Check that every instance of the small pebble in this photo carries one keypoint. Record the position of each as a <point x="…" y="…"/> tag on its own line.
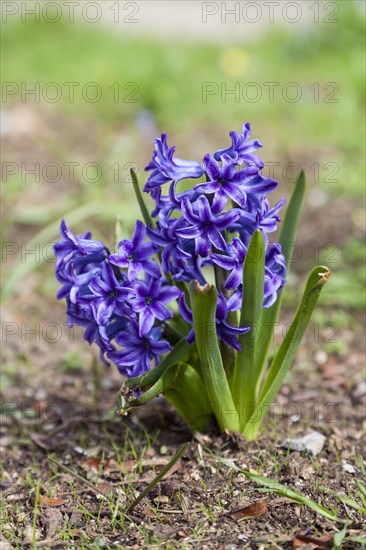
<point x="360" y="390"/>
<point x="320" y="357"/>
<point x="348" y="468"/>
<point x="312" y="442"/>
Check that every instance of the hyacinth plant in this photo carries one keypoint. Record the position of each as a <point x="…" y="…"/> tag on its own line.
<point x="187" y="307"/>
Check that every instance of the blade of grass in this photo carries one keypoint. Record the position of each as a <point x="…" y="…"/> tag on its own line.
<point x="83" y="480"/>
<point x="339" y="537"/>
<point x="157" y="479"/>
<point x="361" y="465"/>
<point x="245" y="375"/>
<point x="287" y="239"/>
<point x="35" y="509"/>
<point x="362" y="491"/>
<point x="284" y="491"/>
<point x="345" y="500"/>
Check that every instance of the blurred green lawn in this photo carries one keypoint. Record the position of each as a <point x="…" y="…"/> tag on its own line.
<point x="170" y="76"/>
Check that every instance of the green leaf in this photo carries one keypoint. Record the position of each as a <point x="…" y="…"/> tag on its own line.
<point x="189" y="397"/>
<point x="144" y="211"/>
<point x="287" y="240"/>
<point x="286" y="353"/>
<point x="203" y="302"/>
<point x="245" y="376"/>
<point x="180" y="353"/>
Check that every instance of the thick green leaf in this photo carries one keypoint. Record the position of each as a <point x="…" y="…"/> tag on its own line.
<point x="182" y="386"/>
<point x="286" y="353"/>
<point x="203" y="302"/>
<point x="180" y="353"/>
<point x="144" y="211"/>
<point x="189" y="397"/>
<point x="287" y="241"/>
<point x="245" y="376"/>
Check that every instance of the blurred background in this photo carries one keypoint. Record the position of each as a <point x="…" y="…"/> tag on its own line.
<point x="86" y="89"/>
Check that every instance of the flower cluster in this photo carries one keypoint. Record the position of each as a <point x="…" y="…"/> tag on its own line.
<point x="117" y="307"/>
<point x="121" y="299"/>
<point x="210" y="225"/>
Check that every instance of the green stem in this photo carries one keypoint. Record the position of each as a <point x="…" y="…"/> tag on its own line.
<point x="144" y="211"/>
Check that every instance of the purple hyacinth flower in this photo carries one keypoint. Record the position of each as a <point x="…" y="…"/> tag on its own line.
<point x="226" y="182"/>
<point x="138" y="351"/>
<point x="205" y="226"/>
<point x="241" y="150"/>
<point x="275" y="260"/>
<point x="173" y="256"/>
<point x="135" y="254"/>
<point x="166" y="168"/>
<point x="164" y="206"/>
<point x="79" y="260"/>
<point x="84" y="245"/>
<point x="186" y="313"/>
<point x="226" y="332"/>
<point x="232" y="261"/>
<point x="82" y="314"/>
<point x="150" y="297"/>
<point x="275" y="272"/>
<point x="257" y="215"/>
<point x="109" y="295"/>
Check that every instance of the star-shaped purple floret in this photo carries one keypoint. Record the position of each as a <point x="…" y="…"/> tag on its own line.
<point x="232" y="261"/>
<point x="166" y="168"/>
<point x="226" y="182"/>
<point x="149" y="302"/>
<point x="138" y="351"/>
<point x="275" y="271"/>
<point x="225" y="331"/>
<point x="135" y="254"/>
<point x="257" y="215"/>
<point x="241" y="150"/>
<point x="109" y="295"/>
<point x="205" y="226"/>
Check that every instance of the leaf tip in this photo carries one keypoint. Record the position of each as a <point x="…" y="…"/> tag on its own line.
<point x="324" y="275"/>
<point x="202" y="289"/>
